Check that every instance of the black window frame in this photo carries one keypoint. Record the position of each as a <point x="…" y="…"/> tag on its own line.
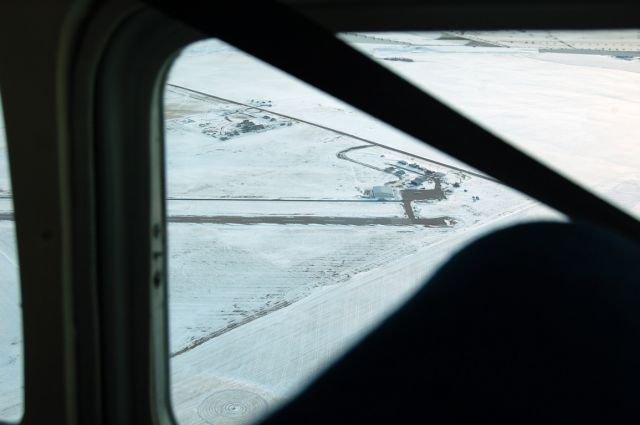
<point x="90" y="229"/>
<point x="131" y="243"/>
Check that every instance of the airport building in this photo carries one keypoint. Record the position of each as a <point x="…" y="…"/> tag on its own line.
<point x="383" y="192"/>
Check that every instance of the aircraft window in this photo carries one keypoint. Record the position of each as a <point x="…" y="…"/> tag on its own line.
<point x="295" y="224"/>
<point x="11" y="356"/>
<point x="568" y="98"/>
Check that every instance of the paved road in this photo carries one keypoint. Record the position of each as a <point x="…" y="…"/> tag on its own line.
<point x="343" y="155"/>
<point x="344" y="221"/>
<point x="366" y="200"/>
<point x="410" y="195"/>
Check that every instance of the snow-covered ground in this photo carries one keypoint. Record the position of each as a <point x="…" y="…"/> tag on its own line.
<point x="10" y="327"/>
<point x="577" y="113"/>
<point x="217" y="68"/>
<point x="228" y="160"/>
<point x="11" y="380"/>
<point x="272" y="358"/>
<point x="614" y="41"/>
<point x="223" y="275"/>
<point x="6" y="204"/>
<point x="256" y="311"/>
<point x="5" y="182"/>
<point x="247" y="166"/>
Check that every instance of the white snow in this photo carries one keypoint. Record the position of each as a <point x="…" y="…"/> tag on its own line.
<point x="572" y="114"/>
<point x="578" y="117"/>
<point x="11" y="379"/>
<point x="220" y="72"/>
<point x="276" y="356"/>
<point x="265" y="165"/>
<point x="405" y="38"/>
<point x="615" y="41"/>
<point x="5" y="180"/>
<point x="225" y="274"/>
<point x="322" y="287"/>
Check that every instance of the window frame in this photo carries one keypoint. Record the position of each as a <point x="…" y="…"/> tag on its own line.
<point x="131" y="243"/>
<point x="131" y="218"/>
<point x="42" y="205"/>
<point x="90" y="357"/>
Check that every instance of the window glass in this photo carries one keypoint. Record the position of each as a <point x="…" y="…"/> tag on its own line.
<point x="295" y="225"/>
<point x="571" y="99"/>
<point x="11" y="358"/>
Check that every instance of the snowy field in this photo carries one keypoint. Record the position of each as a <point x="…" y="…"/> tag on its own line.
<point x="10" y="326"/>
<point x="6" y="204"/>
<point x="257" y="310"/>
<point x="263" y="363"/>
<point x="250" y="169"/>
<point x="575" y="112"/>
<point x="11" y="381"/>
<point x="225" y="274"/>
<point x="228" y="160"/>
